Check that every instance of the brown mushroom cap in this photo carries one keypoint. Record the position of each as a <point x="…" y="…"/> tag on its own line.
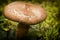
<point x="23" y="12"/>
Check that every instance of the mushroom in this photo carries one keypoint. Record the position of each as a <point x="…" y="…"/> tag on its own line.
<point x="26" y="14"/>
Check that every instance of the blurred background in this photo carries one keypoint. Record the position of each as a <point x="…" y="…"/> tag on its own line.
<point x="49" y="29"/>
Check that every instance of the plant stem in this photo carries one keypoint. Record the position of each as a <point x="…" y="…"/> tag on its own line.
<point x="21" y="30"/>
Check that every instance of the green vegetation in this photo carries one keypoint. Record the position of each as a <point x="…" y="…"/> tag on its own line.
<point x="49" y="29"/>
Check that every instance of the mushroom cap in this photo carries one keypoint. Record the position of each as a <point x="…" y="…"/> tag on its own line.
<point x="25" y="13"/>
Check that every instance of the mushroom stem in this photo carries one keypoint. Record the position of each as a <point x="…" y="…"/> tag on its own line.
<point x="21" y="30"/>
